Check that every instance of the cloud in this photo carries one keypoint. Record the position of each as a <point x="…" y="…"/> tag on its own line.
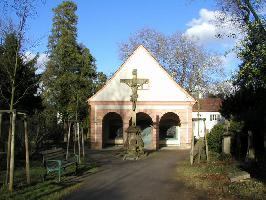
<point x="207" y="27"/>
<point x="41" y="61"/>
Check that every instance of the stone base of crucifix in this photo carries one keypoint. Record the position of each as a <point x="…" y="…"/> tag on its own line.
<point x="134" y="144"/>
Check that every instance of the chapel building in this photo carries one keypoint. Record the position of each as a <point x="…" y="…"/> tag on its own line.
<point x="164" y="109"/>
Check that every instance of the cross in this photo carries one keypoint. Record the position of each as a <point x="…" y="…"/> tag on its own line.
<point x="134" y="84"/>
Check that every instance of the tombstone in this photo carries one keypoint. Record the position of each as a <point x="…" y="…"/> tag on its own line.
<point x="250" y="151"/>
<point x="226" y="140"/>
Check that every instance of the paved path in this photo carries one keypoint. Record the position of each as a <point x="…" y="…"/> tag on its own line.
<point x="152" y="178"/>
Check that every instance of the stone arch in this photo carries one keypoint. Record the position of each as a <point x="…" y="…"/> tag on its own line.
<point x="168" y="129"/>
<point x="144" y="122"/>
<point x="112" y="129"/>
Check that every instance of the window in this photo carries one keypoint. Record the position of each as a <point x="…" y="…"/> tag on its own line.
<point x="214" y="117"/>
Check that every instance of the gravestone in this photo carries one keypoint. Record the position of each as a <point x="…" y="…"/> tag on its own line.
<point x="227" y="140"/>
<point x="238" y="176"/>
<point x="250" y="151"/>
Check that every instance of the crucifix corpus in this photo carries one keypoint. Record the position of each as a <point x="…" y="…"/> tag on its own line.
<point x="134" y="143"/>
<point x="134" y="84"/>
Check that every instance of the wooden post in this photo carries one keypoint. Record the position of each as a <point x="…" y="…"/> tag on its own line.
<point x="68" y="138"/>
<point x="206" y="141"/>
<point x="8" y="148"/>
<point x="12" y="153"/>
<point x="199" y="152"/>
<point x="192" y="149"/>
<point x="78" y="140"/>
<point x="1" y="115"/>
<point x="0" y="136"/>
<point x="82" y="140"/>
<point x="27" y="150"/>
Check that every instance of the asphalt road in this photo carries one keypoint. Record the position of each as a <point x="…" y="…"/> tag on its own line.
<point x="150" y="179"/>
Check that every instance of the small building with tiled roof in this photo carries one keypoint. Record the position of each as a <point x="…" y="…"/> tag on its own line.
<point x="208" y="105"/>
<point x="164" y="109"/>
<point x="206" y="115"/>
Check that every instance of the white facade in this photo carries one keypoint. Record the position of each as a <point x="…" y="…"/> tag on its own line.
<point x="161" y="105"/>
<point x="161" y="86"/>
<point x="211" y="119"/>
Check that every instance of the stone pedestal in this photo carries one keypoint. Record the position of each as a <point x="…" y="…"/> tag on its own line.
<point x="226" y="144"/>
<point x="134" y="144"/>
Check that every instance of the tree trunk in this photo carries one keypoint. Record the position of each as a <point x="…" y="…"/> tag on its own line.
<point x="12" y="153"/>
<point x="27" y="150"/>
<point x="65" y="130"/>
<point x="82" y="140"/>
<point x="74" y="137"/>
<point x="13" y="89"/>
<point x="68" y="138"/>
<point x="192" y="149"/>
<point x="184" y="73"/>
<point x="206" y="141"/>
<point x="8" y="148"/>
<point x="78" y="140"/>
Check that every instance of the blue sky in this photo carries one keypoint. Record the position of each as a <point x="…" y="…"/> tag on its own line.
<point x="103" y="24"/>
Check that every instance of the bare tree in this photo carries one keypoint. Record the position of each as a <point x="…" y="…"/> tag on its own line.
<point x="21" y="11"/>
<point x="244" y="12"/>
<point x="188" y="63"/>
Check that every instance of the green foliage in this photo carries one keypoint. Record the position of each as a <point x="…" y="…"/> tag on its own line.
<point x="44" y="130"/>
<point x="214" y="138"/>
<point x="235" y="127"/>
<point x="248" y="103"/>
<point x="24" y="77"/>
<point x="70" y="77"/>
<point x="225" y="157"/>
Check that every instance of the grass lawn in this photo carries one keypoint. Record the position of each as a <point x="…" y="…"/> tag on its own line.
<point x="50" y="189"/>
<point x="213" y="179"/>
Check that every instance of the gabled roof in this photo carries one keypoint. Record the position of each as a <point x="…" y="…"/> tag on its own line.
<point x="139" y="51"/>
<point x="208" y="105"/>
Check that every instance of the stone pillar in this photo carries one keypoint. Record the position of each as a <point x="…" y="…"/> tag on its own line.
<point x="126" y="116"/>
<point x="155" y="133"/>
<point x="125" y="127"/>
<point x="226" y="144"/>
<point x="97" y="135"/>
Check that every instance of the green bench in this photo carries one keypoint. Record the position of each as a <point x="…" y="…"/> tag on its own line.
<point x="54" y="161"/>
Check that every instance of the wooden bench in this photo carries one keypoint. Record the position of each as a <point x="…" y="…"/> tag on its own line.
<point x="54" y="160"/>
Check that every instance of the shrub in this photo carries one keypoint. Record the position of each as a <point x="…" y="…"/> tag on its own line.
<point x="215" y="138"/>
<point x="225" y="157"/>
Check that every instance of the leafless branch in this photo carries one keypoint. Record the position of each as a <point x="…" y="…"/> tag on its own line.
<point x="24" y="93"/>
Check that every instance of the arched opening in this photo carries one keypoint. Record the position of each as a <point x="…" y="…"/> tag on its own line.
<point x="112" y="129"/>
<point x="168" y="129"/>
<point x="144" y="122"/>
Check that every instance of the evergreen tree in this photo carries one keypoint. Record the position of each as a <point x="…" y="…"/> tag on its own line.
<point x="247" y="104"/>
<point x="70" y="75"/>
<point x="25" y="79"/>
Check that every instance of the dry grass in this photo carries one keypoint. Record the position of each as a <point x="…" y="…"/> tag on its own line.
<point x="213" y="179"/>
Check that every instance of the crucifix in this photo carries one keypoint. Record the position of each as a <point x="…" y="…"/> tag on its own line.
<point x="134" y="143"/>
<point x="134" y="84"/>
